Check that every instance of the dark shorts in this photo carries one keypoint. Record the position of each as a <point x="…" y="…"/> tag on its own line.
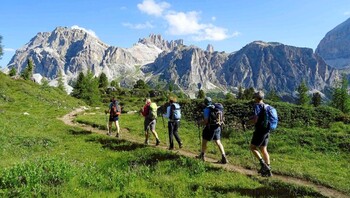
<point x="211" y="133"/>
<point x="149" y="124"/>
<point x="112" y="119"/>
<point x="260" y="138"/>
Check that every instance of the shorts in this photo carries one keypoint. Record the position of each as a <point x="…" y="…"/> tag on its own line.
<point x="113" y="119"/>
<point x="213" y="133"/>
<point x="150" y="125"/>
<point x="260" y="138"/>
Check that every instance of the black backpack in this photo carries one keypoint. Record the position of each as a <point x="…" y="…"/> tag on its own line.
<point x="216" y="116"/>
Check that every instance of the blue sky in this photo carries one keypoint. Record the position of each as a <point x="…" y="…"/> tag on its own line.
<point x="228" y="25"/>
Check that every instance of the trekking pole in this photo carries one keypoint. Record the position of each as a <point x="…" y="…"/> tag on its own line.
<point x="247" y="140"/>
<point x="165" y="132"/>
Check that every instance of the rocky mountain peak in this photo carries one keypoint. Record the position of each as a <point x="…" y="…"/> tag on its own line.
<point x="162" y="44"/>
<point x="334" y="47"/>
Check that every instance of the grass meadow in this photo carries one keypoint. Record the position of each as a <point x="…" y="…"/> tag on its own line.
<point x="43" y="157"/>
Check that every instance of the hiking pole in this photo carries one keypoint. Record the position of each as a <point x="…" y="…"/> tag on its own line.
<point x="247" y="140"/>
<point x="166" y="144"/>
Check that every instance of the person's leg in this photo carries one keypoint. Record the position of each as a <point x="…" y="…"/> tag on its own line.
<point x="265" y="154"/>
<point x="146" y="129"/>
<point x="153" y="129"/>
<point x="220" y="146"/>
<point x="170" y="130"/>
<point x="255" y="151"/>
<point x="110" y="127"/>
<point x="175" y="132"/>
<point x="117" y="126"/>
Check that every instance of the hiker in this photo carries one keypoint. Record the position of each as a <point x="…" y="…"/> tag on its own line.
<point x="114" y="111"/>
<point x="260" y="137"/>
<point x="211" y="131"/>
<point x="149" y="111"/>
<point x="173" y="113"/>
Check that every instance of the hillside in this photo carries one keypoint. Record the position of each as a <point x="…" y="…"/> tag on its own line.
<point x="43" y="157"/>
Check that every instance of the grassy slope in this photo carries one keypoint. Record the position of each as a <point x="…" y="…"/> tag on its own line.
<point x="319" y="155"/>
<point x="40" y="156"/>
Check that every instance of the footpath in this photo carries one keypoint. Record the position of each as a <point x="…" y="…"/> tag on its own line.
<point x="68" y="119"/>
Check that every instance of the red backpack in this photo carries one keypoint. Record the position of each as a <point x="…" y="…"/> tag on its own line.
<point x="115" y="110"/>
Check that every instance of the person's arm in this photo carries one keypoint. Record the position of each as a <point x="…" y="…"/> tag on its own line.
<point x="206" y="114"/>
<point x="167" y="115"/>
<point x="253" y="119"/>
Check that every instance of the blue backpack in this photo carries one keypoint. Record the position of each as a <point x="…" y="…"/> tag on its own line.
<point x="175" y="111"/>
<point x="270" y="119"/>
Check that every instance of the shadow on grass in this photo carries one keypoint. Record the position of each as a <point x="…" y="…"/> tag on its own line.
<point x="269" y="190"/>
<point x="152" y="159"/>
<point x="79" y="132"/>
<point x="117" y="144"/>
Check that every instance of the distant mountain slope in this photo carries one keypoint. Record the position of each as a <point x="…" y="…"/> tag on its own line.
<point x="281" y="67"/>
<point x="334" y="48"/>
<point x="259" y="64"/>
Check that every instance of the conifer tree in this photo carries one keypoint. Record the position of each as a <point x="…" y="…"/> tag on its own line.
<point x="201" y="94"/>
<point x="272" y="95"/>
<point x="60" y="81"/>
<point x="13" y="72"/>
<point x="340" y="96"/>
<point x="303" y="99"/>
<point x="103" y="81"/>
<point x="316" y="99"/>
<point x="248" y="93"/>
<point x="240" y="93"/>
<point x="28" y="71"/>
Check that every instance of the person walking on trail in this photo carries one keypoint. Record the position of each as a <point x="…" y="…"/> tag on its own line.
<point x="260" y="137"/>
<point x="173" y="113"/>
<point x="114" y="111"/>
<point x="211" y="131"/>
<point x="149" y="111"/>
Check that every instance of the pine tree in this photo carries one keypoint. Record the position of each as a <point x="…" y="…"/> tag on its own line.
<point x="201" y="94"/>
<point x="103" y="81"/>
<point x="13" y="72"/>
<point x="272" y="95"/>
<point x="79" y="86"/>
<point x="316" y="99"/>
<point x="60" y="81"/>
<point x="140" y="84"/>
<point x="28" y="71"/>
<point x="303" y="99"/>
<point x="248" y="93"/>
<point x="240" y="93"/>
<point x="340" y="96"/>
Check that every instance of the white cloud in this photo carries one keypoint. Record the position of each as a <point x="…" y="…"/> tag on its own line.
<point x="152" y="8"/>
<point x="9" y="50"/>
<point x="213" y="18"/>
<point x="183" y="23"/>
<point x="139" y="25"/>
<point x="347" y="13"/>
<point x="92" y="33"/>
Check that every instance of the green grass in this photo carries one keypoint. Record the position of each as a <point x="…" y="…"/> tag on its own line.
<point x="42" y="157"/>
<point x="318" y="155"/>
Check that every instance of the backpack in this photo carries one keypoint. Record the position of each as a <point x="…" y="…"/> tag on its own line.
<point x="216" y="116"/>
<point x="115" y="110"/>
<point x="269" y="118"/>
<point x="152" y="111"/>
<point x="175" y="111"/>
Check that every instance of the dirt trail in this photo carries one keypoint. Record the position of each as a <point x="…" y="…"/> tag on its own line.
<point x="68" y="119"/>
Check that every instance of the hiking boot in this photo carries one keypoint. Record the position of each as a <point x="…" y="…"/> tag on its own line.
<point x="265" y="170"/>
<point x="201" y="157"/>
<point x="171" y="148"/>
<point x="266" y="173"/>
<point x="117" y="135"/>
<point x="180" y="145"/>
<point x="157" y="142"/>
<point x="146" y="142"/>
<point x="109" y="134"/>
<point x="223" y="160"/>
